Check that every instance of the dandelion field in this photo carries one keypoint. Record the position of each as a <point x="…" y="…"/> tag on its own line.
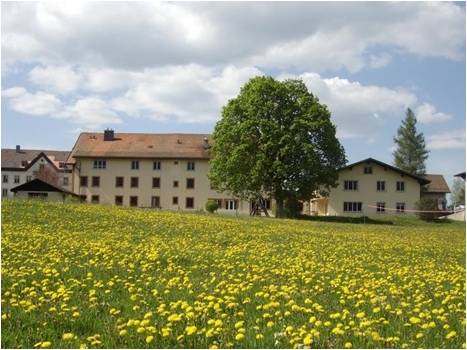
<point x="101" y="277"/>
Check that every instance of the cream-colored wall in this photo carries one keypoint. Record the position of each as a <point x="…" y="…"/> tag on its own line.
<point x="30" y="172"/>
<point x="169" y="172"/>
<point x="51" y="196"/>
<point x="367" y="193"/>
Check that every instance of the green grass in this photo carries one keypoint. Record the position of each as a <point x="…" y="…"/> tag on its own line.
<point x="94" y="271"/>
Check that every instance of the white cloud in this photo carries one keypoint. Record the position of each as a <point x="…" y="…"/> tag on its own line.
<point x="358" y="110"/>
<point x="91" y="112"/>
<point x="310" y="36"/>
<point x="59" y="79"/>
<point x="39" y="103"/>
<point x="453" y="139"/>
<point x="426" y="113"/>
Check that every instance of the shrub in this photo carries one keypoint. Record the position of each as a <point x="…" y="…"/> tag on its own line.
<point x="427" y="204"/>
<point x="211" y="206"/>
<point x="293" y="207"/>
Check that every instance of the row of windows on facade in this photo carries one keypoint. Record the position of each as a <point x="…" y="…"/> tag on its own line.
<point x="380" y="207"/>
<point x="134" y="165"/>
<point x="134" y="182"/>
<point x="17" y="179"/>
<point x="228" y="204"/>
<point x="352" y="185"/>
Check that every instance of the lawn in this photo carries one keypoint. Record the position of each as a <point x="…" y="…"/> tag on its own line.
<point x="101" y="277"/>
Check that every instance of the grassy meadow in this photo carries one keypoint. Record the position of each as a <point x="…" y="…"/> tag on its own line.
<point x="90" y="276"/>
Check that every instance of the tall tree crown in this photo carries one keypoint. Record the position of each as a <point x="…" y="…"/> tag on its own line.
<point x="275" y="138"/>
<point x="411" y="153"/>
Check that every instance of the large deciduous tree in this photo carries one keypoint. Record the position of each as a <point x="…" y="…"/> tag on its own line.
<point x="275" y="139"/>
<point x="411" y="152"/>
<point x="458" y="192"/>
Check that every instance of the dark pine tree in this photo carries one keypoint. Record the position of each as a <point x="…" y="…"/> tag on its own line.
<point x="411" y="151"/>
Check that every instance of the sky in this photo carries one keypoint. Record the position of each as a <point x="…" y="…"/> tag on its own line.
<point x="69" y="67"/>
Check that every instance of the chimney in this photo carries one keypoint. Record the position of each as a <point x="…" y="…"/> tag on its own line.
<point x="206" y="143"/>
<point x="18" y="149"/>
<point x="108" y="134"/>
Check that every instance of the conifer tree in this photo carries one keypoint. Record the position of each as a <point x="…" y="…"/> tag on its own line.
<point x="411" y="151"/>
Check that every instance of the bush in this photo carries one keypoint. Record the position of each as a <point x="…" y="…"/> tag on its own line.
<point x="429" y="205"/>
<point x="211" y="206"/>
<point x="292" y="207"/>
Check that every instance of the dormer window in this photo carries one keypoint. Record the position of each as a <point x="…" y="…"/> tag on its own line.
<point x="61" y="164"/>
<point x="24" y="163"/>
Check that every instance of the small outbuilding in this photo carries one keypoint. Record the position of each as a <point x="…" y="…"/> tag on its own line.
<point x="41" y="189"/>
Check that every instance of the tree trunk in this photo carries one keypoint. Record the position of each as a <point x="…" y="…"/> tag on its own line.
<point x="280" y="208"/>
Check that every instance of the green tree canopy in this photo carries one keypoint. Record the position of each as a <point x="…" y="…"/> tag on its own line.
<point x="275" y="139"/>
<point x="458" y="192"/>
<point x="411" y="152"/>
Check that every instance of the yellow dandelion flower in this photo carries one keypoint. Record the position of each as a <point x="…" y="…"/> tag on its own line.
<point x="191" y="330"/>
<point x="149" y="339"/>
<point x="348" y="345"/>
<point x="67" y="336"/>
<point x="123" y="332"/>
<point x="239" y="336"/>
<point x="307" y="340"/>
<point x="451" y="334"/>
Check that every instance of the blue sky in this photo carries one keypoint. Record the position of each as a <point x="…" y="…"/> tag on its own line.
<point x="169" y="67"/>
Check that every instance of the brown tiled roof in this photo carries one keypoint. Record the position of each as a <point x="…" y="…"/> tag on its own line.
<point x="136" y="145"/>
<point x="437" y="184"/>
<point x="17" y="160"/>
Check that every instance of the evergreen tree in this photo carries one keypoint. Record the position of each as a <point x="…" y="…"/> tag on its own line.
<point x="411" y="151"/>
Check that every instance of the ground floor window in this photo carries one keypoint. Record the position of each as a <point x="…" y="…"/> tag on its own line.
<point x="175" y="200"/>
<point x="4" y="192"/>
<point x="380" y="207"/>
<point x="190" y="203"/>
<point x="352" y="206"/>
<point x="155" y="202"/>
<point x="400" y="207"/>
<point x="40" y="195"/>
<point x="82" y="198"/>
<point x="95" y="199"/>
<point x="118" y="200"/>
<point x="230" y="204"/>
<point x="133" y="201"/>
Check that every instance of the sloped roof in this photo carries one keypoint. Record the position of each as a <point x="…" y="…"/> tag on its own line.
<point x="11" y="158"/>
<point x="421" y="180"/>
<point x="40" y="185"/>
<point x="139" y="145"/>
<point x="437" y="184"/>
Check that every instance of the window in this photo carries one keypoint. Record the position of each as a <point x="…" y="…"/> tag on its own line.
<point x="190" y="203"/>
<point x="156" y="165"/>
<point x="380" y="207"/>
<point x="190" y="166"/>
<point x="368" y="170"/>
<point x="61" y="164"/>
<point x="156" y="182"/>
<point x="96" y="181"/>
<point x="134" y="182"/>
<point x="65" y="181"/>
<point x="400" y="186"/>
<point x="352" y="206"/>
<point x="38" y="195"/>
<point x="175" y="183"/>
<point x="175" y="200"/>
<point x="135" y="164"/>
<point x="42" y="166"/>
<point x="4" y="192"/>
<point x="176" y="162"/>
<point x="5" y="179"/>
<point x="350" y="185"/>
<point x="230" y="204"/>
<point x="16" y="179"/>
<point x="381" y="186"/>
<point x="190" y="183"/>
<point x="82" y="198"/>
<point x="28" y="178"/>
<point x="118" y="200"/>
<point x="24" y="163"/>
<point x="400" y="207"/>
<point x="94" y="199"/>
<point x="155" y="202"/>
<point x="133" y="201"/>
<point x="119" y="181"/>
<point x="100" y="164"/>
<point x="83" y="181"/>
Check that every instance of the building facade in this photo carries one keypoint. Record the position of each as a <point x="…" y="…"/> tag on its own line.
<point x="168" y="171"/>
<point x="20" y="166"/>
<point x="370" y="187"/>
<point x="437" y="190"/>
